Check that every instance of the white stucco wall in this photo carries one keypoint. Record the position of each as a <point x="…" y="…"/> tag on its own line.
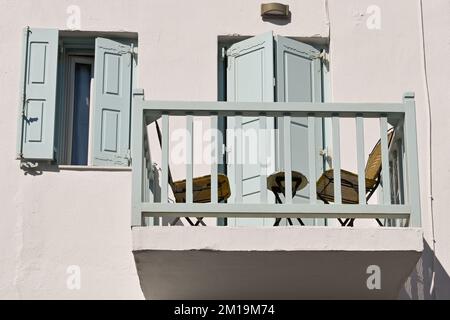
<point x="57" y="219"/>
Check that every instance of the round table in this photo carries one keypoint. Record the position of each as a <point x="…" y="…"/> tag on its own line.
<point x="276" y="184"/>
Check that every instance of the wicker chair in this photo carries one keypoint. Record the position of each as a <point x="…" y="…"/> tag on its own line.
<point x="201" y="186"/>
<point x="349" y="181"/>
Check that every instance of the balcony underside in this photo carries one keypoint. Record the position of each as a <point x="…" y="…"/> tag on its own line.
<point x="273" y="263"/>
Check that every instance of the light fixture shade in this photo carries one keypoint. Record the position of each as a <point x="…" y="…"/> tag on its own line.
<point x="274" y="10"/>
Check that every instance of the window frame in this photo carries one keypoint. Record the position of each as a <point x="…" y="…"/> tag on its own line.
<point x="226" y="41"/>
<point x="47" y="146"/>
<point x="81" y="44"/>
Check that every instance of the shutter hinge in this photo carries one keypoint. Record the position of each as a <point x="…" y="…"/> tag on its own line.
<point x="24" y="103"/>
<point x="223" y="53"/>
<point x="128" y="156"/>
<point x="133" y="49"/>
<point x="274" y="81"/>
<point x="324" y="56"/>
<point x="327" y="156"/>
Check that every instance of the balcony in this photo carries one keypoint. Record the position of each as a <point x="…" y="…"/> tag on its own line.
<point x="225" y="257"/>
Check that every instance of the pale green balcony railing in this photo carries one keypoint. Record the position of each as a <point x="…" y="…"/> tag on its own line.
<point x="399" y="191"/>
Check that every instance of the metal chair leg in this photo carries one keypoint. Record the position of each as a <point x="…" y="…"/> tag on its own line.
<point x="277" y="200"/>
<point x="381" y="224"/>
<point x="200" y="222"/>
<point x="190" y="221"/>
<point x="175" y="221"/>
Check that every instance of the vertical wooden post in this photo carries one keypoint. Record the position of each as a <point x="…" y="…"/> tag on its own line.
<point x="412" y="161"/>
<point x="137" y="156"/>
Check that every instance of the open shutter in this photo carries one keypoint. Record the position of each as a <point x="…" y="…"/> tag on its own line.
<point x="39" y="74"/>
<point x="299" y="79"/>
<point x="250" y="79"/>
<point x="112" y="102"/>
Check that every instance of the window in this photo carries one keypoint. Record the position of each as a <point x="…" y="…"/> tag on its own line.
<point x="76" y="97"/>
<point x="268" y="68"/>
<point x="78" y="110"/>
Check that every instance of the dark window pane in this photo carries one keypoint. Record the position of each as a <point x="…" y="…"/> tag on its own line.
<point x="80" y="136"/>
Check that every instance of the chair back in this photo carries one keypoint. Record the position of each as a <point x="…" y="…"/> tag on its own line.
<point x="201" y="185"/>
<point x="373" y="165"/>
<point x="158" y="132"/>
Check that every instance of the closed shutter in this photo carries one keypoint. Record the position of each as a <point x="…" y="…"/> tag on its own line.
<point x="39" y="74"/>
<point x="299" y="79"/>
<point x="250" y="79"/>
<point x="112" y="102"/>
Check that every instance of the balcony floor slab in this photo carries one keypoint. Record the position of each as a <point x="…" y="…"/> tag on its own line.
<point x="273" y="263"/>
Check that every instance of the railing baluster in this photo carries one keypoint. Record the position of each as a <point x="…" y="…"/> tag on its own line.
<point x="360" y="159"/>
<point x="215" y="161"/>
<point x="287" y="160"/>
<point x="147" y="185"/>
<point x="147" y="193"/>
<point x="312" y="159"/>
<point x="262" y="158"/>
<point x="238" y="159"/>
<point x="165" y="159"/>
<point x="151" y="181"/>
<point x="144" y="169"/>
<point x="144" y="181"/>
<point x="336" y="160"/>
<point x="404" y="165"/>
<point x="385" y="161"/>
<point x="189" y="158"/>
<point x="148" y="164"/>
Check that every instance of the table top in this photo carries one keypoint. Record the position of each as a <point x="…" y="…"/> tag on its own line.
<point x="275" y="182"/>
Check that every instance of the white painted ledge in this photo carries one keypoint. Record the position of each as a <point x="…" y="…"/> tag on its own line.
<point x="273" y="262"/>
<point x="92" y="168"/>
<point x="277" y="238"/>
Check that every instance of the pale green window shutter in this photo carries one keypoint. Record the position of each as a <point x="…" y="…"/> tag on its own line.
<point x="39" y="75"/>
<point x="250" y="79"/>
<point x="299" y="79"/>
<point x="112" y="102"/>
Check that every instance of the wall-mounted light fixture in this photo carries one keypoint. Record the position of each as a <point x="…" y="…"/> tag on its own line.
<point x="274" y="11"/>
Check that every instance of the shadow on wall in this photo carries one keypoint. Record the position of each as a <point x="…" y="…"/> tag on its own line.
<point x="278" y="21"/>
<point x="419" y="285"/>
<point x="37" y="169"/>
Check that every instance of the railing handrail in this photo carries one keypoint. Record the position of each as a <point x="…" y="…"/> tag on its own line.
<point x="296" y="109"/>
